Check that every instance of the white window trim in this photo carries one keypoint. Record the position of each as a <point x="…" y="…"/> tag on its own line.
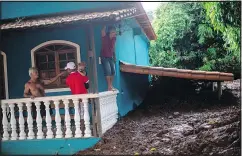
<point x="5" y="73"/>
<point x="78" y="53"/>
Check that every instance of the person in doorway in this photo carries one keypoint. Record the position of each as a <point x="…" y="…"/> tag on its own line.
<point x="35" y="88"/>
<point x="108" y="57"/>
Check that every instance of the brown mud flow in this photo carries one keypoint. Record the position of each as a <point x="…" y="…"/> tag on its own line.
<point x="179" y="125"/>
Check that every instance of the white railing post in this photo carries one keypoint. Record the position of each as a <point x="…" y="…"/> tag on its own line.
<point x="14" y="135"/>
<point x="40" y="134"/>
<point x="57" y="120"/>
<point x="22" y="134"/>
<point x="78" y="132"/>
<point x="30" y="121"/>
<point x="86" y="118"/>
<point x="5" y="122"/>
<point x="49" y="133"/>
<point x="68" y="133"/>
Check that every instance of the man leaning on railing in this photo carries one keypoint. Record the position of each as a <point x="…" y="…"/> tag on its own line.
<point x="35" y="88"/>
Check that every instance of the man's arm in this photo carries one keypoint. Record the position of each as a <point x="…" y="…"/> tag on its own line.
<point x="104" y="31"/>
<point x="47" y="82"/>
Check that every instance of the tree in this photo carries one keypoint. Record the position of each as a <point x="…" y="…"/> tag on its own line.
<point x="187" y="38"/>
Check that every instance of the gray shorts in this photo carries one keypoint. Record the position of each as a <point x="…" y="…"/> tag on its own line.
<point x="108" y="66"/>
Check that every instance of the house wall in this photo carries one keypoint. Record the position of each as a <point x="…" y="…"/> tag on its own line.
<point x="17" y="46"/>
<point x="132" y="87"/>
<point x="129" y="48"/>
<point x="19" y="9"/>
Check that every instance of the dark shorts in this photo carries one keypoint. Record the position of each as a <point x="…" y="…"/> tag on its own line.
<point x="108" y="66"/>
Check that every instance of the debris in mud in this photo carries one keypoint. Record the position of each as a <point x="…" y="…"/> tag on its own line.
<point x="212" y="129"/>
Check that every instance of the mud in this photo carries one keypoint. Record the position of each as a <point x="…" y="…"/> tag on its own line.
<point x="192" y="126"/>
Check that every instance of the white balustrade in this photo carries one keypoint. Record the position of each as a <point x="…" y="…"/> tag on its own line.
<point x="78" y="132"/>
<point x="22" y="134"/>
<point x="67" y="120"/>
<point x="40" y="134"/>
<point x="30" y="121"/>
<point x="58" y="120"/>
<point x="49" y="133"/>
<point x="5" y="122"/>
<point x="108" y="111"/>
<point x="14" y="135"/>
<point x="86" y="118"/>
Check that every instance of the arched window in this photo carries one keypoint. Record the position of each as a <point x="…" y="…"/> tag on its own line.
<point x="51" y="59"/>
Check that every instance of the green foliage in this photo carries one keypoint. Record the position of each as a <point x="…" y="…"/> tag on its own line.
<point x="225" y="17"/>
<point x="191" y="36"/>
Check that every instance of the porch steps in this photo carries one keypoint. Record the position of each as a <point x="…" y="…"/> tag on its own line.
<point x="47" y="146"/>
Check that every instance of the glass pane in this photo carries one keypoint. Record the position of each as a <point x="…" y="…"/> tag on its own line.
<point x="43" y="66"/>
<point x="70" y="56"/>
<point x="44" y="75"/>
<point x="41" y="58"/>
<point x="51" y="47"/>
<point x="51" y="57"/>
<point x="52" y="74"/>
<point x="57" y="47"/>
<point x="51" y="65"/>
<point x="62" y="57"/>
<point x="72" y="61"/>
<point x="63" y="81"/>
<point x="63" y="64"/>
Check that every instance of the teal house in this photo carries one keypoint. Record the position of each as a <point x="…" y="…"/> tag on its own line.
<point x="47" y="35"/>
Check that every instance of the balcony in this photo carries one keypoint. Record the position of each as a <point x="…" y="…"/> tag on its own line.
<point x="69" y="116"/>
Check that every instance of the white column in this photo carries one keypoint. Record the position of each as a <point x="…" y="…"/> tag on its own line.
<point x="86" y="118"/>
<point x="40" y="134"/>
<point x="57" y="120"/>
<point x="78" y="132"/>
<point x="30" y="121"/>
<point x="48" y="120"/>
<point x="5" y="122"/>
<point x="22" y="134"/>
<point x="68" y="133"/>
<point x="14" y="135"/>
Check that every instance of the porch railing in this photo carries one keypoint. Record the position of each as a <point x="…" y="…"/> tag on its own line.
<point x="70" y="117"/>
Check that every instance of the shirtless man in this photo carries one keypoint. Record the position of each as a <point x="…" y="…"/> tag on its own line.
<point x="35" y="87"/>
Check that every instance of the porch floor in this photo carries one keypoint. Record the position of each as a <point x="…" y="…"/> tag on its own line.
<point x="47" y="146"/>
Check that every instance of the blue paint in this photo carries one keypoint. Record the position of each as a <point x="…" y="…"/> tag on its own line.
<point x="47" y="146"/>
<point x="141" y="50"/>
<point x="58" y="93"/>
<point x="129" y="48"/>
<point x="17" y="46"/>
<point x="19" y="9"/>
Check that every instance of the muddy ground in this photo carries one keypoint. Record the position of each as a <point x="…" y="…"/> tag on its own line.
<point x="178" y="123"/>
